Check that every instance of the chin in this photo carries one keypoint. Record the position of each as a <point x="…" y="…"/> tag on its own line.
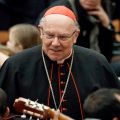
<point x="54" y="58"/>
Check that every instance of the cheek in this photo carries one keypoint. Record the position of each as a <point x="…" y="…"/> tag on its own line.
<point x="68" y="45"/>
<point x="45" y="44"/>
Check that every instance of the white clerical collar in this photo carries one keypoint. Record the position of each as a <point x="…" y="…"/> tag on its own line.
<point x="62" y="61"/>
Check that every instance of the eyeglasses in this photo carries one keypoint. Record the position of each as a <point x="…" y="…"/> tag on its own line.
<point x="51" y="36"/>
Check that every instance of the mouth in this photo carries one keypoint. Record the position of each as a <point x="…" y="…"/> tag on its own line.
<point x="55" y="50"/>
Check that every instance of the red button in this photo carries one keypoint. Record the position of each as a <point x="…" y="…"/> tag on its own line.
<point x="62" y="83"/>
<point x="64" y="109"/>
<point x="62" y="73"/>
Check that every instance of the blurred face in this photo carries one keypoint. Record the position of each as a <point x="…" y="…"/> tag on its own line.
<point x="90" y="4"/>
<point x="12" y="45"/>
<point x="58" y="35"/>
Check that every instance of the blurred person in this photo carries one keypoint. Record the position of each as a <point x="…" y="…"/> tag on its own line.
<point x="57" y="73"/>
<point x="115" y="61"/>
<point x="103" y="104"/>
<point x="95" y="24"/>
<point x="21" y="36"/>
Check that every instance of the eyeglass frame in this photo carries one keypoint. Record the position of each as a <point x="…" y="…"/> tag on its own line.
<point x="59" y="37"/>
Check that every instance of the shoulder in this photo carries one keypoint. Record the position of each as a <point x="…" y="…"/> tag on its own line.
<point x="92" y="60"/>
<point x="86" y="51"/>
<point x="88" y="54"/>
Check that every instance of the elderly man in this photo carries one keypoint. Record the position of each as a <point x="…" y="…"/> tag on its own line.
<point x="58" y="73"/>
<point x="94" y="21"/>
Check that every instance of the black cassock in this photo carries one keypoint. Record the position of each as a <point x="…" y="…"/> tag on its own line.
<point x="24" y="75"/>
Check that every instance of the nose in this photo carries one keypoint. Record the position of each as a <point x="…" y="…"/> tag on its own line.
<point x="56" y="41"/>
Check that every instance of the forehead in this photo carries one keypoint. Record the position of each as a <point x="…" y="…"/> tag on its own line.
<point x="57" y="20"/>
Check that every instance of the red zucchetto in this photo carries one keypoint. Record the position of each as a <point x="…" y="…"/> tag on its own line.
<point x="61" y="10"/>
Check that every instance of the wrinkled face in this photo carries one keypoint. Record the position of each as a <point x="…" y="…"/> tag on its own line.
<point x="58" y="35"/>
<point x="90" y="4"/>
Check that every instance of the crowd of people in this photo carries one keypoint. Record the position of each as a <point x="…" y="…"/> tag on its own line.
<point x="62" y="58"/>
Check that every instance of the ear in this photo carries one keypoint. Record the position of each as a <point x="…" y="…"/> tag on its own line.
<point x="76" y="36"/>
<point x="40" y="30"/>
<point x="41" y="35"/>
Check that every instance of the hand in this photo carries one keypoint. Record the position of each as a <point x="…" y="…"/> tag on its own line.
<point x="102" y="16"/>
<point x="56" y="115"/>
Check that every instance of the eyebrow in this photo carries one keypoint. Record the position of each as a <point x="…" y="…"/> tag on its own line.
<point x="62" y="34"/>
